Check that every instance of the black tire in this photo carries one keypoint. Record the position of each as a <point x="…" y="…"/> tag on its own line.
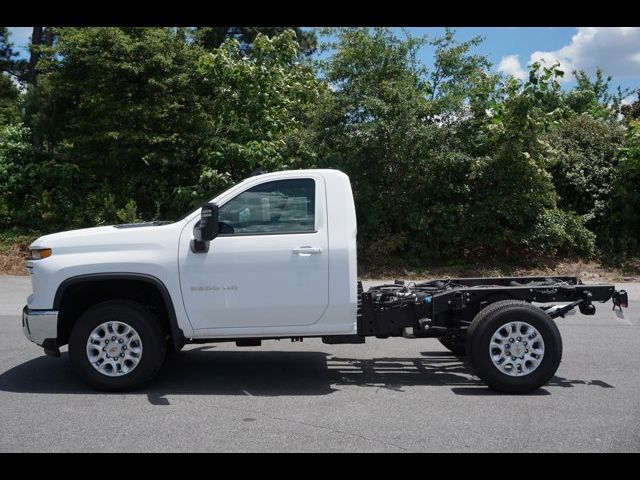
<point x="133" y="314"/>
<point x="455" y="343"/>
<point x="488" y="321"/>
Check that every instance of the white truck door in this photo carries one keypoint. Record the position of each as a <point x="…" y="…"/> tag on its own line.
<point x="269" y="265"/>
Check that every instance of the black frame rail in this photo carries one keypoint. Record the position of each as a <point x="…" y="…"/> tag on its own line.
<point x="453" y="308"/>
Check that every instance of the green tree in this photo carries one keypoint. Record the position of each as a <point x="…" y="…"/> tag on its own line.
<point x="154" y="122"/>
<point x="451" y="160"/>
<point x="584" y="162"/>
<point x="456" y="75"/>
<point x="594" y="96"/>
<point x="254" y="108"/>
<point x="621" y="220"/>
<point x="36" y="191"/>
<point x="9" y="63"/>
<point x="213" y="37"/>
<point x="514" y="200"/>
<point x="121" y="103"/>
<point x="632" y="110"/>
<point x="372" y="125"/>
<point x="10" y="71"/>
<point x="391" y="124"/>
<point x="9" y="101"/>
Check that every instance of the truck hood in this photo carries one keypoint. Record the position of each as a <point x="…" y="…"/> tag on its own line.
<point x="122" y="237"/>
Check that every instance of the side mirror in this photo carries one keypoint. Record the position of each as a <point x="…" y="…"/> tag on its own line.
<point x="207" y="229"/>
<point x="209" y="222"/>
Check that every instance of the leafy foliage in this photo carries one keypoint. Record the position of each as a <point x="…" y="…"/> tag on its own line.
<point x="619" y="230"/>
<point x="584" y="164"/>
<point x="36" y="189"/>
<point x="450" y="161"/>
<point x="253" y="109"/>
<point x="212" y="38"/>
<point x="632" y="111"/>
<point x="121" y="104"/>
<point x="9" y="63"/>
<point x="10" y="67"/>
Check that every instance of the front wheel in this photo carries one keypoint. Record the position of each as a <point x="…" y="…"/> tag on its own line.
<point x="116" y="346"/>
<point x="515" y="347"/>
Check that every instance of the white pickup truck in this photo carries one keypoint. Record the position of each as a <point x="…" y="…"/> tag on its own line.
<point x="275" y="257"/>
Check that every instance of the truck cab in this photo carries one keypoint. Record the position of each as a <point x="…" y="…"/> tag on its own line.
<point x="283" y="264"/>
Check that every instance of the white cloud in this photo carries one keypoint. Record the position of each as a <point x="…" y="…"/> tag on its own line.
<point x="614" y="49"/>
<point x="510" y="65"/>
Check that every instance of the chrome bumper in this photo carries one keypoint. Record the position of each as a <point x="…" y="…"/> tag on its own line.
<point x="40" y="325"/>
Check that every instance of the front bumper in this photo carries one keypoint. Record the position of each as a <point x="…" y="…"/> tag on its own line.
<point x="40" y="326"/>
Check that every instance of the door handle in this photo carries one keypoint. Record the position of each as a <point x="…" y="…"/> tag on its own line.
<point x="306" y="251"/>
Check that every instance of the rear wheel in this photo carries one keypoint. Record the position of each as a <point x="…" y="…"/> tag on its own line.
<point x="514" y="346"/>
<point x="116" y="346"/>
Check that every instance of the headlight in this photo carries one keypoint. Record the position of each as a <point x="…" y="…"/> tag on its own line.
<point x="39" y="253"/>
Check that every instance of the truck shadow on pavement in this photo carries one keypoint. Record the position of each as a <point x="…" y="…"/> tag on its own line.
<point x="207" y="371"/>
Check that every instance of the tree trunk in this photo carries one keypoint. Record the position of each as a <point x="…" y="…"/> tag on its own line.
<point x="48" y="37"/>
<point x="36" y="40"/>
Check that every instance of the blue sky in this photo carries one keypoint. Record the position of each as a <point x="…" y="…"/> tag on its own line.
<point x="511" y="49"/>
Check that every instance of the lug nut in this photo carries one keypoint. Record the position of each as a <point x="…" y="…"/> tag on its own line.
<point x="519" y="338"/>
<point x="526" y="351"/>
<point x="525" y="344"/>
<point x="120" y="341"/>
<point x="104" y="349"/>
<point x="124" y="348"/>
<point x="106" y="341"/>
<point x="122" y="354"/>
<point x="513" y="358"/>
<point x="113" y="338"/>
<point x="511" y="340"/>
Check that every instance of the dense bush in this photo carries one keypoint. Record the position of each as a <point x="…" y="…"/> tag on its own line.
<point x="620" y="230"/>
<point x="36" y="190"/>
<point x="584" y="165"/>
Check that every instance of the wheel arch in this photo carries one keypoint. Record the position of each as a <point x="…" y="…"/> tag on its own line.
<point x="149" y="281"/>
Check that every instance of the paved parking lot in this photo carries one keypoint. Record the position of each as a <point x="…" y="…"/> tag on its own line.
<point x="386" y="395"/>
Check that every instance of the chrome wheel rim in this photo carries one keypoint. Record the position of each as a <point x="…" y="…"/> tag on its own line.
<point x="516" y="349"/>
<point x="114" y="349"/>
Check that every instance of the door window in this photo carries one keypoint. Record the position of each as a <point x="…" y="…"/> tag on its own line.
<point x="281" y="206"/>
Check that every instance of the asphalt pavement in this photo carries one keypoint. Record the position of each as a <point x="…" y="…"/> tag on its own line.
<point x="386" y="395"/>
